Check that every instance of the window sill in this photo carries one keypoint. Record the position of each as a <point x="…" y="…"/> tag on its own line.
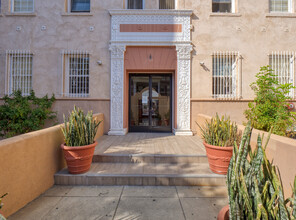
<point x="77" y="14"/>
<point x="218" y="14"/>
<point x="281" y="15"/>
<point x="22" y="14"/>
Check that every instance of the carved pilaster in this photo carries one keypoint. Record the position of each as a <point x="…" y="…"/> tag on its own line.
<point x="183" y="88"/>
<point x="117" y="80"/>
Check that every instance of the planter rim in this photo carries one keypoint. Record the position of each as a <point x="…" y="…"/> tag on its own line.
<point x="63" y="146"/>
<point x="217" y="147"/>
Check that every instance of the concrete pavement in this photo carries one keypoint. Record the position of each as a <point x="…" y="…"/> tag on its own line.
<point x="125" y="203"/>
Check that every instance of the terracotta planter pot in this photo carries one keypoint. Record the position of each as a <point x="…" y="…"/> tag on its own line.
<point x="224" y="213"/>
<point x="79" y="159"/>
<point x="218" y="157"/>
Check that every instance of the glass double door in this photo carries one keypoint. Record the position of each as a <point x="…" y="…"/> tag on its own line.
<point x="150" y="103"/>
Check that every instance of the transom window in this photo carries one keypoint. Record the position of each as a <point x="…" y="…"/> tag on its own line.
<point x="223" y="6"/>
<point x="20" y="71"/>
<point x="280" y="5"/>
<point x="80" y="5"/>
<point x="167" y="4"/>
<point x="225" y="71"/>
<point x="23" y="6"/>
<point x="75" y="73"/>
<point x="283" y="65"/>
<point x="135" y="4"/>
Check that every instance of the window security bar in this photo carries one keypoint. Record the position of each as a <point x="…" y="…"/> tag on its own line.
<point x="19" y="68"/>
<point x="225" y="78"/>
<point x="283" y="65"/>
<point x="75" y="77"/>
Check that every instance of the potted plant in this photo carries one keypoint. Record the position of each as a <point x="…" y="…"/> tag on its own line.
<point x="219" y="136"/>
<point x="1" y="205"/>
<point x="255" y="189"/>
<point x="79" y="133"/>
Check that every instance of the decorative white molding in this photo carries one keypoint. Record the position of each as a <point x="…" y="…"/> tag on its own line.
<point x="182" y="42"/>
<point x="150" y="12"/>
<point x="150" y="17"/>
<point x="183" y="88"/>
<point x="117" y="74"/>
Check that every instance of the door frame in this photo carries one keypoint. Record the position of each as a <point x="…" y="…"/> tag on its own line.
<point x="150" y="128"/>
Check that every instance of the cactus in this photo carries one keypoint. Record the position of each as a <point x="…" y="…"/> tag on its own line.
<point x="80" y="129"/>
<point x="220" y="132"/>
<point x="255" y="189"/>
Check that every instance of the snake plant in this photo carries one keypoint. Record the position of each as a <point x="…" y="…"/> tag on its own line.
<point x="220" y="132"/>
<point x="255" y="189"/>
<point x="80" y="129"/>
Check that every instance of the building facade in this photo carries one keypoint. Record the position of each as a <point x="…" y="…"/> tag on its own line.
<point x="148" y="65"/>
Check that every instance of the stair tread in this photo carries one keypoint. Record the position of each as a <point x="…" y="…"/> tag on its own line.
<point x="148" y="170"/>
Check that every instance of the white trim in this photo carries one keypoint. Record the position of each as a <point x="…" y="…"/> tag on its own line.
<point x="182" y="42"/>
<point x="233" y="6"/>
<point x="150" y="12"/>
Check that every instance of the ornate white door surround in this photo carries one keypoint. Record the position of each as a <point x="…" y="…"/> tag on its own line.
<point x="150" y="28"/>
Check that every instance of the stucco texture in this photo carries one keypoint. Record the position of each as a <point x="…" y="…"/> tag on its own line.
<point x="28" y="165"/>
<point x="251" y="30"/>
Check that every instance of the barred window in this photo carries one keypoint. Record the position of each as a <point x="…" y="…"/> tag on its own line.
<point x="135" y="4"/>
<point x="23" y="6"/>
<point x="167" y="4"/>
<point x="224" y="6"/>
<point x="225" y="71"/>
<point x="283" y="65"/>
<point x="280" y="5"/>
<point x="20" y="71"/>
<point x="80" y="5"/>
<point x="75" y="73"/>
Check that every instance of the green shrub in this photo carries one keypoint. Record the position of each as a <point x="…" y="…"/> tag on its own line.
<point x="21" y="114"/>
<point x="269" y="108"/>
<point x="254" y="186"/>
<point x="220" y="132"/>
<point x="80" y="129"/>
<point x="1" y="205"/>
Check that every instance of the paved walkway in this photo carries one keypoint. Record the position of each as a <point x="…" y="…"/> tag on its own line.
<point x="125" y="203"/>
<point x="150" y="143"/>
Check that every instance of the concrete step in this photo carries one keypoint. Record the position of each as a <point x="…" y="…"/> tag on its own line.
<point x="149" y="158"/>
<point x="144" y="174"/>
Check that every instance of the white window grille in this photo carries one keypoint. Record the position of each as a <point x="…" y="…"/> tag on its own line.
<point x="75" y="73"/>
<point x="135" y="4"/>
<point x="283" y="66"/>
<point x="22" y="6"/>
<point x="225" y="75"/>
<point x="19" y="65"/>
<point x="280" y="5"/>
<point x="223" y="6"/>
<point x="167" y="4"/>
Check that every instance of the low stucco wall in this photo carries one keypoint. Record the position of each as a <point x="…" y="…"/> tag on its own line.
<point x="28" y="163"/>
<point x="280" y="150"/>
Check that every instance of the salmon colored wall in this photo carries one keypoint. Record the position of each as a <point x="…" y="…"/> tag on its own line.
<point x="148" y="60"/>
<point x="28" y="165"/>
<point x="281" y="150"/>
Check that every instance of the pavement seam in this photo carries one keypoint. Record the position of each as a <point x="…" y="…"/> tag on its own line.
<point x="180" y="203"/>
<point x="54" y="207"/>
<point x="118" y="203"/>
